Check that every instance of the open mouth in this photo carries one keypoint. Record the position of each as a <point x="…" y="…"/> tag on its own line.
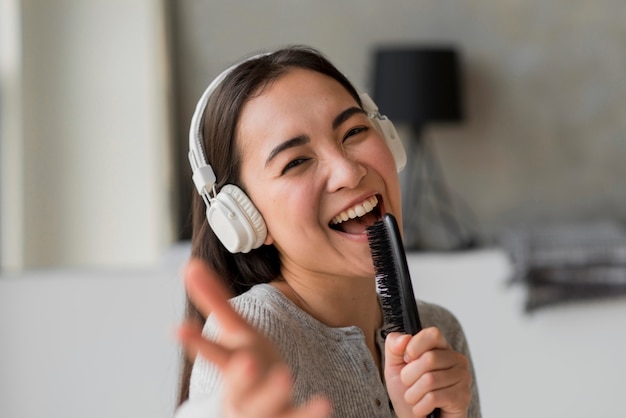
<point x="355" y="219"/>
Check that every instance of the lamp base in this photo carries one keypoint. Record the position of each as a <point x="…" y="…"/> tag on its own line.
<point x="430" y="220"/>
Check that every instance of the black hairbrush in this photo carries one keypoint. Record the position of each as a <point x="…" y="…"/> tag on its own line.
<point x="393" y="281"/>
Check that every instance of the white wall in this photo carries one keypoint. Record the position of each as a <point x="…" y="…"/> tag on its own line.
<point x="95" y="170"/>
<point x="560" y="361"/>
<point x="82" y="344"/>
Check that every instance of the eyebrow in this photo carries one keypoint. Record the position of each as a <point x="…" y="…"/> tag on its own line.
<point x="345" y="115"/>
<point x="303" y="139"/>
<point x="290" y="143"/>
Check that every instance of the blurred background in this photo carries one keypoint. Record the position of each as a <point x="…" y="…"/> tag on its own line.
<point x="97" y="95"/>
<point x="95" y="101"/>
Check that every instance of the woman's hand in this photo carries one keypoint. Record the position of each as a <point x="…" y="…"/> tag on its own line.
<point x="257" y="383"/>
<point x="423" y="373"/>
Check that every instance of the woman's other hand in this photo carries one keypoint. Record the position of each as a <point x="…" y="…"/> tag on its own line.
<point x="423" y="373"/>
<point x="257" y="383"/>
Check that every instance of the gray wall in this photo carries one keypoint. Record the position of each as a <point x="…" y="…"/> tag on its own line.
<point x="544" y="138"/>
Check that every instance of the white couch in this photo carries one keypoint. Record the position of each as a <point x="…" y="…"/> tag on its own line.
<point x="96" y="344"/>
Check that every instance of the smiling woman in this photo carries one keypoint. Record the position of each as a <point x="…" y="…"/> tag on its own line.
<point x="291" y="164"/>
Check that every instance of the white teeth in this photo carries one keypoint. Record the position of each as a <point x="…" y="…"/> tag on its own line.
<point x="356" y="211"/>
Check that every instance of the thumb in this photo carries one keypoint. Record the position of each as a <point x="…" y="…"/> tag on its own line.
<point x="395" y="345"/>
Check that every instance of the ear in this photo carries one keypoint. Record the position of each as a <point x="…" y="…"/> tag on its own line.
<point x="268" y="239"/>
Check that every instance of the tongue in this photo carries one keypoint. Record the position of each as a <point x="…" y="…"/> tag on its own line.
<point x="358" y="225"/>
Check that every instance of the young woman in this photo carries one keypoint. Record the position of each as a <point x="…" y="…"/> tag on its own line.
<point x="285" y="280"/>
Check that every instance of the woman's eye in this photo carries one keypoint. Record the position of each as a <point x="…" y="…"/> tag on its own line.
<point x="355" y="131"/>
<point x="293" y="164"/>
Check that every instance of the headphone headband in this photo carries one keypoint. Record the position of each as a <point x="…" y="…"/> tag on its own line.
<point x="203" y="175"/>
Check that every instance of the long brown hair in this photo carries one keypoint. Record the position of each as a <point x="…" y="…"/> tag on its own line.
<point x="241" y="271"/>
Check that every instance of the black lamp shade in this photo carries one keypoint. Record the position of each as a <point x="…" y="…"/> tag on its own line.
<point x="418" y="85"/>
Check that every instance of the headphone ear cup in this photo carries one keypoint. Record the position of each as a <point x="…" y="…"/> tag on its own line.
<point x="389" y="133"/>
<point x="386" y="129"/>
<point x="236" y="221"/>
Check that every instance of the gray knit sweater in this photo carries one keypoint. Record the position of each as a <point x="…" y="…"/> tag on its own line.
<point x="333" y="362"/>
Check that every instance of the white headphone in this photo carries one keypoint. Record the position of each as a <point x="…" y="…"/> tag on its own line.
<point x="231" y="214"/>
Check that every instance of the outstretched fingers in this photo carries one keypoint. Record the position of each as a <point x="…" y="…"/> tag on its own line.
<point x="257" y="382"/>
<point x="209" y="295"/>
<point x="190" y="335"/>
<point x="267" y="392"/>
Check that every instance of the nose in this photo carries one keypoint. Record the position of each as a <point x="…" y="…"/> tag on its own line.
<point x="344" y="172"/>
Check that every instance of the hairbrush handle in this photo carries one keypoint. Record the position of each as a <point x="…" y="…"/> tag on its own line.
<point x="410" y="314"/>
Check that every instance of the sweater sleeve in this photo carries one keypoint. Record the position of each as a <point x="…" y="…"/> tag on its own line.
<point x="437" y="316"/>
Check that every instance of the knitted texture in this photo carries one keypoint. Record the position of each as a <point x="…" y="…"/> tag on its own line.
<point x="332" y="362"/>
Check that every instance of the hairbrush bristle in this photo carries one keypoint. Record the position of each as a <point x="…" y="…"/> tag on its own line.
<point x="387" y="284"/>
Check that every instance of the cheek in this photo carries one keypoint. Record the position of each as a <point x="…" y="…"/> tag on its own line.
<point x="384" y="163"/>
<point x="381" y="158"/>
<point x="283" y="208"/>
<point x="378" y="151"/>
